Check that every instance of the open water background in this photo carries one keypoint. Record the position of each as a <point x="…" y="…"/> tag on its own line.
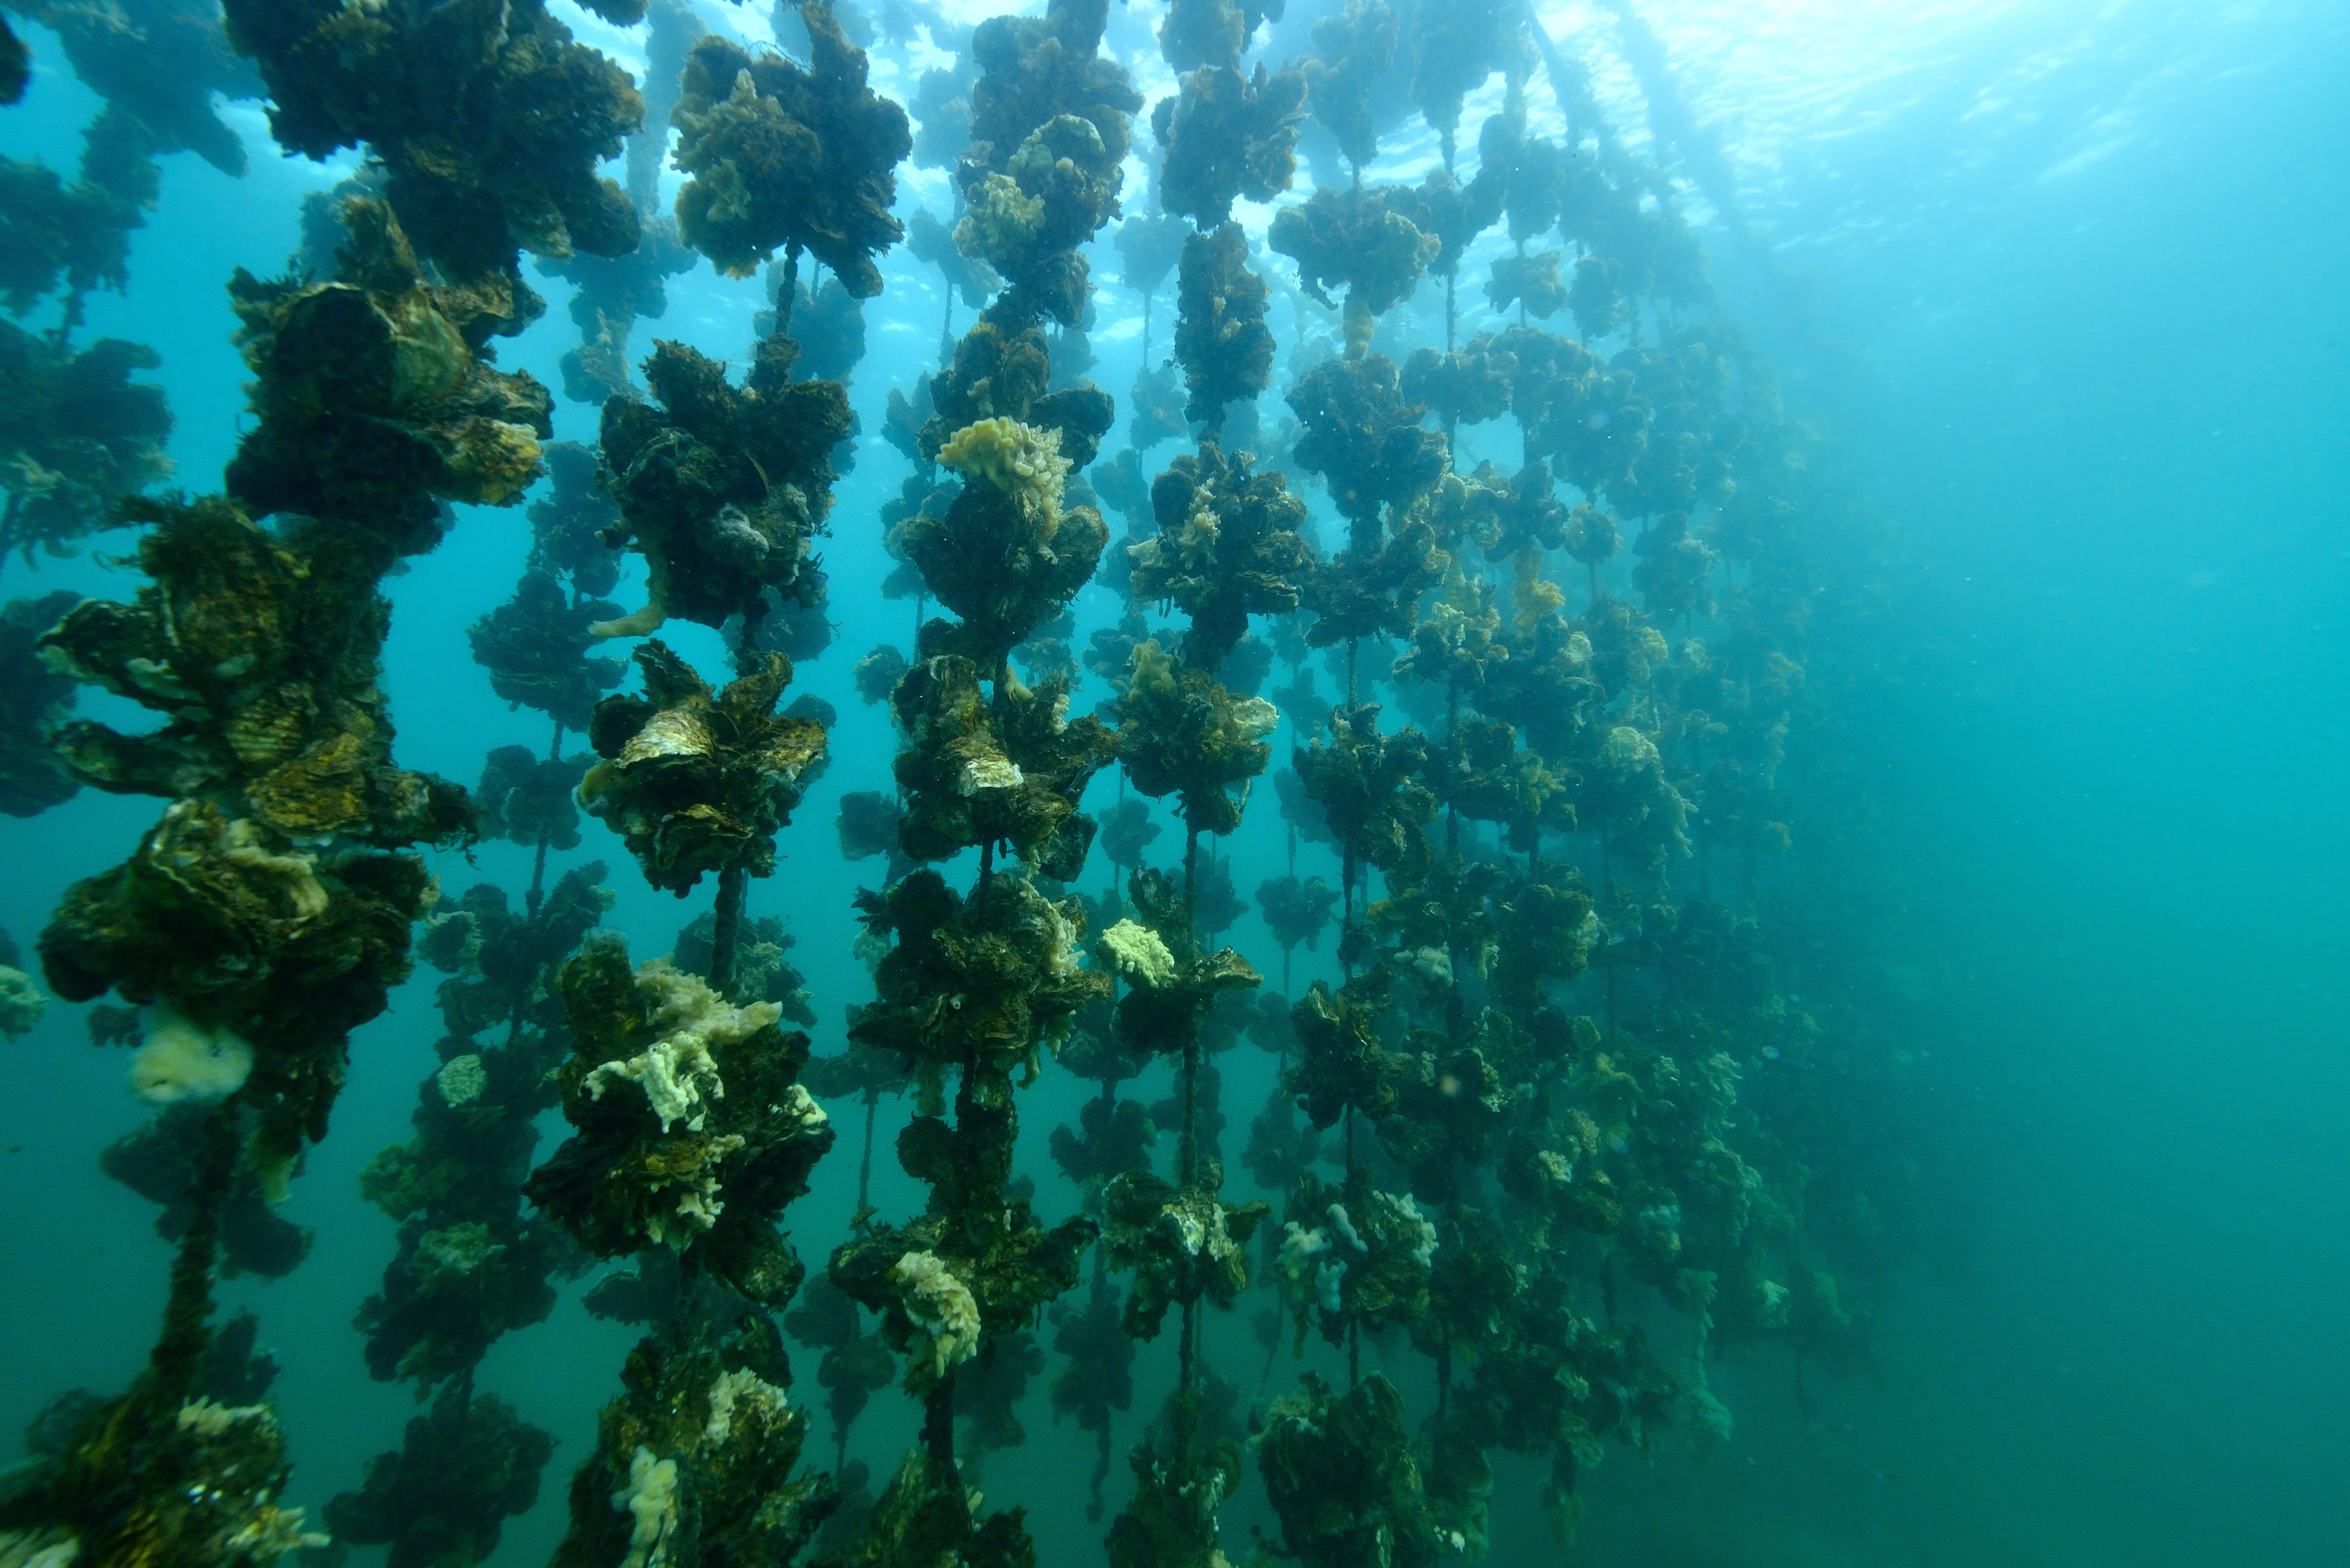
<point x="2069" y="285"/>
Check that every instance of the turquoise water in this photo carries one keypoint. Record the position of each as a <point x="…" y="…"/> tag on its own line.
<point x="2061" y="288"/>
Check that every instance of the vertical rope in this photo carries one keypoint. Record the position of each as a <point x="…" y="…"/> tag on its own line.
<point x="727" y="926"/>
<point x="177" y="1360"/>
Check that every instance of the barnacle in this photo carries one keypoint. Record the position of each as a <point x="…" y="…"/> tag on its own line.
<point x="1213" y="32"/>
<point x="699" y="1454"/>
<point x="535" y="647"/>
<point x="1466" y="387"/>
<point x="269" y="912"/>
<point x="280" y="631"/>
<point x="33" y="700"/>
<point x="1182" y="733"/>
<point x="1220" y="338"/>
<point x="16" y="65"/>
<point x="976" y="772"/>
<point x="375" y="406"/>
<point x="1458" y="641"/>
<point x="53" y="232"/>
<point x="1006" y="555"/>
<point x="1049" y="114"/>
<point x="1009" y="952"/>
<point x="461" y="1471"/>
<point x="1341" y="1063"/>
<point x="192" y="1481"/>
<point x="708" y="1141"/>
<point x="1029" y="213"/>
<point x="77" y="434"/>
<point x="1228" y="547"/>
<point x="1529" y="281"/>
<point x="490" y="121"/>
<point x="1341" y="1475"/>
<point x="697" y="779"/>
<point x="1228" y="137"/>
<point x="1674" y="568"/>
<point x="1368" y="787"/>
<point x="784" y="157"/>
<point x="613" y="293"/>
<point x="723" y="489"/>
<point x="1181" y="1243"/>
<point x="1452" y="53"/>
<point x="1363" y="436"/>
<point x="1361" y="238"/>
<point x="1352" y="52"/>
<point x="1002" y="371"/>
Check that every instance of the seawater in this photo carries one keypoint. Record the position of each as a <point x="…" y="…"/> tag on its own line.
<point x="2064" y="287"/>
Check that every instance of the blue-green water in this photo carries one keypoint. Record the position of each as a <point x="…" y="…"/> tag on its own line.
<point x="2062" y="289"/>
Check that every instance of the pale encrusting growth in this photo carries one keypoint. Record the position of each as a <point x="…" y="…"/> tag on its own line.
<point x="184" y="1060"/>
<point x="941" y="1307"/>
<point x="677" y="1072"/>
